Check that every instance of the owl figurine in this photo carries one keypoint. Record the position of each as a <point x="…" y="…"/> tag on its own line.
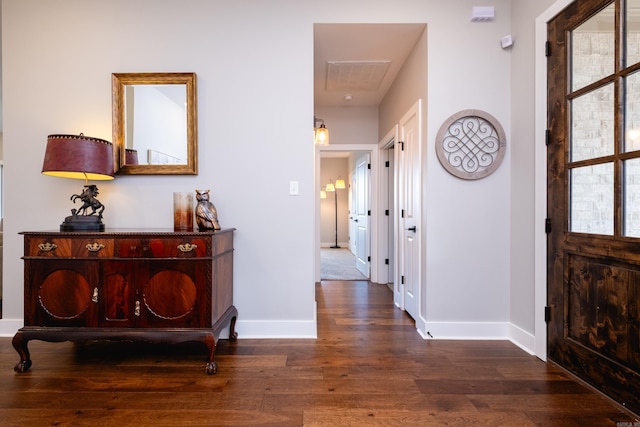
<point x="206" y="213"/>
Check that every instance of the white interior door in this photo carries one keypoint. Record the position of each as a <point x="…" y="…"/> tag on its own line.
<point x="352" y="217"/>
<point x="409" y="203"/>
<point x="361" y="213"/>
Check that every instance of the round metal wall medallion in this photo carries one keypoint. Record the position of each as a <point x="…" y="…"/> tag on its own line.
<point x="471" y="144"/>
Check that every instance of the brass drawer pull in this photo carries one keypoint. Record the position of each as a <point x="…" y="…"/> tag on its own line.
<point x="136" y="311"/>
<point x="94" y="247"/>
<point x="47" y="247"/>
<point x="95" y="295"/>
<point x="187" y="247"/>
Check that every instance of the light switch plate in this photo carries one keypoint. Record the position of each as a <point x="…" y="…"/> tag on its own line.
<point x="294" y="190"/>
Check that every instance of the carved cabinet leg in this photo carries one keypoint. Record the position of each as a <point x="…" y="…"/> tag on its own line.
<point x="20" y="344"/>
<point x="212" y="365"/>
<point x="233" y="335"/>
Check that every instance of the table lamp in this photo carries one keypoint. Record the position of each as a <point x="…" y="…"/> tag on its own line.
<point x="80" y="157"/>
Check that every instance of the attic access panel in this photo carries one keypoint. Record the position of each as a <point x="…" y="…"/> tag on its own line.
<point x="355" y="75"/>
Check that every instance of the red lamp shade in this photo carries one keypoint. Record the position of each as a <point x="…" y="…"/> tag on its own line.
<point x="130" y="156"/>
<point x="78" y="156"/>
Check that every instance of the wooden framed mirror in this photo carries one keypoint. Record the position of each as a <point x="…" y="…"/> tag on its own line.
<point x="155" y="123"/>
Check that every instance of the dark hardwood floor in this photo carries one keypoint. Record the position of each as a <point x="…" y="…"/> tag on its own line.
<point x="368" y="367"/>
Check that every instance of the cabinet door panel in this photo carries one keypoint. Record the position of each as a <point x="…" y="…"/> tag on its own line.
<point x="170" y="294"/>
<point x="173" y="295"/>
<point x="65" y="294"/>
<point x="62" y="294"/>
<point x="117" y="295"/>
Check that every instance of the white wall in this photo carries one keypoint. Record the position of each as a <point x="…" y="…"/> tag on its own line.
<point x="254" y="61"/>
<point x="253" y="74"/>
<point x="465" y="227"/>
<point x="350" y="124"/>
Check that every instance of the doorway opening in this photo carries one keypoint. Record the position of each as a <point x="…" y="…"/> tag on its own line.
<point x="355" y="67"/>
<point x="345" y="187"/>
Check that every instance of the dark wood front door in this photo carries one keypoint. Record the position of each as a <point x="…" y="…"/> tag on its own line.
<point x="594" y="195"/>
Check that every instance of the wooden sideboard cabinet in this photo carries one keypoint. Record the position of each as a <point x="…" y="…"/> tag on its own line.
<point x="155" y="286"/>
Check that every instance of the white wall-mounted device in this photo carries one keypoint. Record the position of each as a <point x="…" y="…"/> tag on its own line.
<point x="483" y="14"/>
<point x="506" y="41"/>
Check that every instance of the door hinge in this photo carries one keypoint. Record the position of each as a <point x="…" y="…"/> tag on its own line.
<point x="386" y="212"/>
<point x="386" y="261"/>
<point x="547" y="314"/>
<point x="547" y="137"/>
<point x="402" y="214"/>
<point x="369" y="258"/>
<point x="547" y="225"/>
<point x="547" y="49"/>
<point x="368" y="213"/>
<point x="402" y="280"/>
<point x="401" y="145"/>
<point x="369" y="166"/>
<point x="386" y="164"/>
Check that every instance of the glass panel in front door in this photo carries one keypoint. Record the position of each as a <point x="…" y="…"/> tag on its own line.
<point x="592" y="126"/>
<point x="593" y="49"/>
<point x="633" y="32"/>
<point x="592" y="199"/>
<point x="592" y="109"/>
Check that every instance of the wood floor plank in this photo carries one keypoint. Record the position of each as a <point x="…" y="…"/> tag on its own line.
<point x="368" y="367"/>
<point x="348" y="418"/>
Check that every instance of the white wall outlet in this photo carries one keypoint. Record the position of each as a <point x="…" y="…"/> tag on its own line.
<point x="294" y="189"/>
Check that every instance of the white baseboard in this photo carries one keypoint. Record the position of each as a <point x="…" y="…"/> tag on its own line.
<point x="286" y="329"/>
<point x="523" y="339"/>
<point x="261" y="329"/>
<point x="481" y="331"/>
<point x="467" y="330"/>
<point x="307" y="329"/>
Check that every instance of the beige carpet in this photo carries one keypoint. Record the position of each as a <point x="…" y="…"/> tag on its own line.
<point x="338" y="264"/>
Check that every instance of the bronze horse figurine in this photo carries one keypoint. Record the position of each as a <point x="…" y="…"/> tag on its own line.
<point x="88" y="199"/>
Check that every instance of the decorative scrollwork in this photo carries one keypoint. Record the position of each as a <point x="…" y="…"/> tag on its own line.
<point x="47" y="247"/>
<point x="471" y="144"/>
<point x="94" y="247"/>
<point x="187" y="247"/>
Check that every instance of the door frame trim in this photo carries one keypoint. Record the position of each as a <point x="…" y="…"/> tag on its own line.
<point x="385" y="226"/>
<point x="540" y="180"/>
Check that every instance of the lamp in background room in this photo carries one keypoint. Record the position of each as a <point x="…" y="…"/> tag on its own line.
<point x="320" y="134"/>
<point x="331" y="188"/>
<point x="80" y="157"/>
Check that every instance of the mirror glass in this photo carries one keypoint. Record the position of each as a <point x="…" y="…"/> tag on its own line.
<point x="154" y="123"/>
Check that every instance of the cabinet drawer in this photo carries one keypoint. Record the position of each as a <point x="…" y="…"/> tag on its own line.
<point x="92" y="247"/>
<point x="191" y="247"/>
<point x="70" y="248"/>
<point x="45" y="247"/>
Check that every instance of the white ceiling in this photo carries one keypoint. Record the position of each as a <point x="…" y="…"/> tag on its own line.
<point x="363" y="60"/>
